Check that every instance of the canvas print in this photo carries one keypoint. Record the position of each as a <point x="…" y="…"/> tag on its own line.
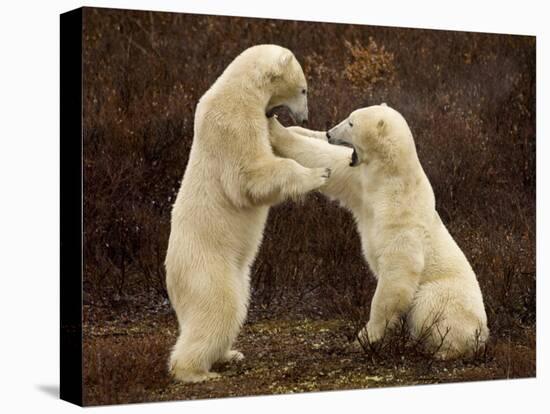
<point x="258" y="206"/>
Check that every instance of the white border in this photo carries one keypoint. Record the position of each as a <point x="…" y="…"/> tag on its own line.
<point x="29" y="223"/>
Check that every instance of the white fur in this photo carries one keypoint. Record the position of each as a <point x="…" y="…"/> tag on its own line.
<point x="419" y="267"/>
<point x="218" y="218"/>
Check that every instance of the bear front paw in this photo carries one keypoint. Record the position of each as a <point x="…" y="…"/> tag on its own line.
<point x="372" y="333"/>
<point x="316" y="178"/>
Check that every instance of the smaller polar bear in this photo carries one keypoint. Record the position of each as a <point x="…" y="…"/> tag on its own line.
<point x="218" y="218"/>
<point x="421" y="271"/>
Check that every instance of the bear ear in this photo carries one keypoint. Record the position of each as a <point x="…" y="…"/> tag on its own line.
<point x="381" y="126"/>
<point x="383" y="104"/>
<point x="281" y="63"/>
<point x="285" y="58"/>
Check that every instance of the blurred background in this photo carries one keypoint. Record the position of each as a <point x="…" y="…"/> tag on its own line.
<point x="469" y="99"/>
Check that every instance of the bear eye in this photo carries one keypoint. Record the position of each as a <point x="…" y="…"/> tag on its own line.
<point x="350" y="124"/>
<point x="303" y="91"/>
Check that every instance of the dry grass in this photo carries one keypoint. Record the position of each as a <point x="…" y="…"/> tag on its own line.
<point x="128" y="364"/>
<point x="469" y="99"/>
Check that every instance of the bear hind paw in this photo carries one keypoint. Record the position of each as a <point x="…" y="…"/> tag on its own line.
<point x="188" y="376"/>
<point x="232" y="356"/>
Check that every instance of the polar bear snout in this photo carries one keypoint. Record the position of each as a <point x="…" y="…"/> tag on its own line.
<point x="335" y="141"/>
<point x="296" y="106"/>
<point x="340" y="133"/>
<point x="338" y="141"/>
<point x="299" y="117"/>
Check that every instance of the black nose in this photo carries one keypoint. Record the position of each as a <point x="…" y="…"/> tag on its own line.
<point x="328" y="135"/>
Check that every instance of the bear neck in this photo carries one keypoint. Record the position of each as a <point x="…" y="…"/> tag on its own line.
<point x="401" y="166"/>
<point x="246" y="94"/>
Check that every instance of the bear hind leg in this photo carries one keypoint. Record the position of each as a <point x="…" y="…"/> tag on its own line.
<point x="440" y="322"/>
<point x="392" y="298"/>
<point x="208" y="329"/>
<point x="232" y="355"/>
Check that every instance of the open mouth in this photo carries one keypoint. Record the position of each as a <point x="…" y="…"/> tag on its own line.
<point x="274" y="110"/>
<point x="354" y="158"/>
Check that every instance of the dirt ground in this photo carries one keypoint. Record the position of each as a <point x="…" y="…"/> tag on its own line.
<point x="126" y="361"/>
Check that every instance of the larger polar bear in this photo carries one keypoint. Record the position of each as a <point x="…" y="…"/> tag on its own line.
<point x="219" y="215"/>
<point x="420" y="269"/>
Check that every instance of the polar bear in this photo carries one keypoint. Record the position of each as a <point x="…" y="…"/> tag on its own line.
<point x="420" y="269"/>
<point x="218" y="218"/>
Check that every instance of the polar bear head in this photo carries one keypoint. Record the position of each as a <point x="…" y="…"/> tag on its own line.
<point x="377" y="133"/>
<point x="279" y="76"/>
<point x="289" y="86"/>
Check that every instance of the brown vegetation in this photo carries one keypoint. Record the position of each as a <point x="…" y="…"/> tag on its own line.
<point x="470" y="101"/>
